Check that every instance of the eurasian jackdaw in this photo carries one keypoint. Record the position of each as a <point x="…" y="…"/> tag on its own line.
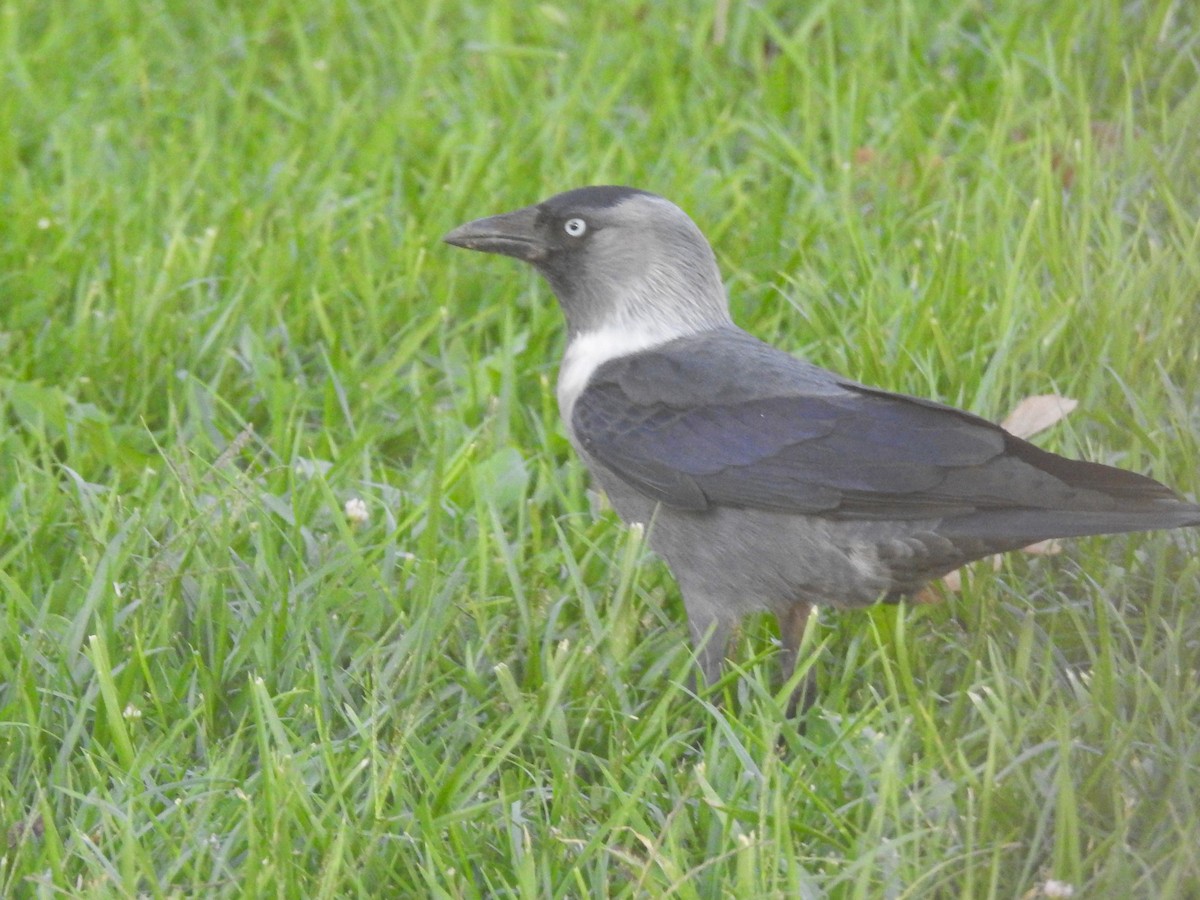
<point x="768" y="483"/>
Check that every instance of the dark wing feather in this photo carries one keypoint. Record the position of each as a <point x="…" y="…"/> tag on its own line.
<point x="725" y="420"/>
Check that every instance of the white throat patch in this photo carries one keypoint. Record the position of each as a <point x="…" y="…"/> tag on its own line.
<point x="588" y="351"/>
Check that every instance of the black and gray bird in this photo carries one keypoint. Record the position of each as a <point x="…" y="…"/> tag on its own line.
<point x="768" y="483"/>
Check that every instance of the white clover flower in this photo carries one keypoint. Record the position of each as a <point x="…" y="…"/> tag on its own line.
<point x="1053" y="888"/>
<point x="356" y="511"/>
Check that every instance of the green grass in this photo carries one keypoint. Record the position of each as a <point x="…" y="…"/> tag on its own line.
<point x="225" y="311"/>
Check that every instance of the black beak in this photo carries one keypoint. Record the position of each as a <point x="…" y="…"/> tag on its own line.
<point x="512" y="234"/>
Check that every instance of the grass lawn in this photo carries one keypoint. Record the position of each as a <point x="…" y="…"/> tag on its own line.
<point x="225" y="312"/>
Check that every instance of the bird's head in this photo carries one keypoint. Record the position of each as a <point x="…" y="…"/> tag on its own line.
<point x="614" y="256"/>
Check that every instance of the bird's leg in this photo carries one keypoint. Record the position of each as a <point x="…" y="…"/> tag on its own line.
<point x="710" y="638"/>
<point x="791" y="629"/>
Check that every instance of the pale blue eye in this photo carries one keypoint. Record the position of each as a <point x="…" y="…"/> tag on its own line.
<point x="575" y="227"/>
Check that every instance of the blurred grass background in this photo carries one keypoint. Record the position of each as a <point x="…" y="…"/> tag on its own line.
<point x="225" y="312"/>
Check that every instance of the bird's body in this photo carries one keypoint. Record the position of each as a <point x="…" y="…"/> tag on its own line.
<point x="768" y="483"/>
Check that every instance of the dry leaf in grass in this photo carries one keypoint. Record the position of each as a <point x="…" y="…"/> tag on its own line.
<point x="1107" y="138"/>
<point x="1037" y="413"/>
<point x="953" y="581"/>
<point x="904" y="173"/>
<point x="1031" y="415"/>
<point x="928" y="595"/>
<point x="1051" y="547"/>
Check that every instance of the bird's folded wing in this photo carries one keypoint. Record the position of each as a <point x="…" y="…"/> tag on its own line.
<point x="698" y="432"/>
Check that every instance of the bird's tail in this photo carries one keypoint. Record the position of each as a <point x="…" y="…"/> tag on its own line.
<point x="1027" y="526"/>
